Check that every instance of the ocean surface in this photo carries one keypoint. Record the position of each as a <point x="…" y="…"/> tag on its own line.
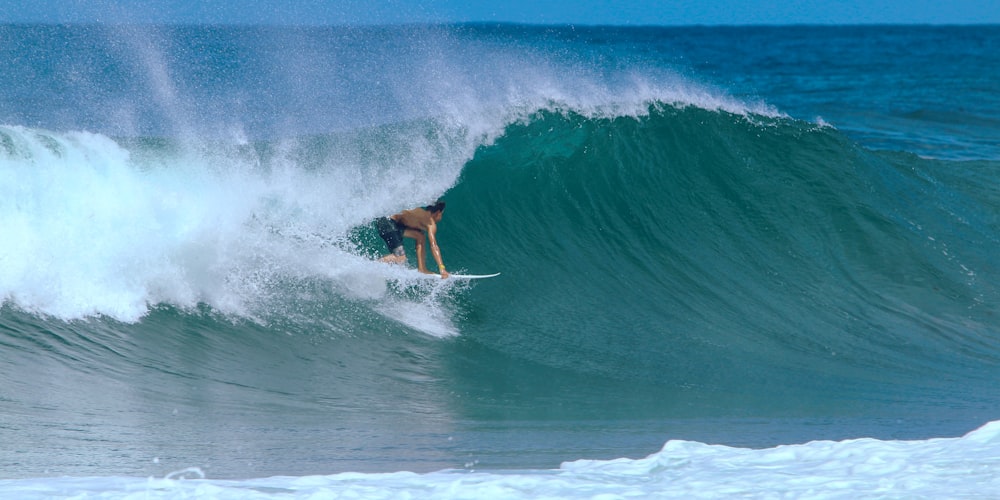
<point x="735" y="261"/>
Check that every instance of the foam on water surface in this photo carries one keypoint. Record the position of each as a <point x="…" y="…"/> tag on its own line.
<point x="966" y="467"/>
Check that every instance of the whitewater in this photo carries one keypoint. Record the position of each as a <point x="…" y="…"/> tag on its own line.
<point x="963" y="467"/>
<point x="788" y="283"/>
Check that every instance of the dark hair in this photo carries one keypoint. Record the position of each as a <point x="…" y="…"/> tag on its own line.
<point x="436" y="207"/>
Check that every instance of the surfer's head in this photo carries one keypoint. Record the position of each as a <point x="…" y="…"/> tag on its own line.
<point x="436" y="207"/>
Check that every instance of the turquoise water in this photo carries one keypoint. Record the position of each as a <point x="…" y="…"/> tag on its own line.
<point x="748" y="237"/>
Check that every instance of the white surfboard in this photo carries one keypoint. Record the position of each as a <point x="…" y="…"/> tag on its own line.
<point x="407" y="273"/>
<point x="462" y="276"/>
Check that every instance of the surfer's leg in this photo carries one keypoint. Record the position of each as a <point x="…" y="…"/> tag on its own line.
<point x="398" y="256"/>
<point x="391" y="234"/>
<point x="419" y="237"/>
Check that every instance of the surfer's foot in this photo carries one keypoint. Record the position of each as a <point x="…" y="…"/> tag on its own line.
<point x="394" y="259"/>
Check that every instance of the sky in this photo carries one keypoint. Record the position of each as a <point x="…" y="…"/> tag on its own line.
<point x="582" y="12"/>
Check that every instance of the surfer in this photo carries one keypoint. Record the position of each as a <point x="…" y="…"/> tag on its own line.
<point x="419" y="224"/>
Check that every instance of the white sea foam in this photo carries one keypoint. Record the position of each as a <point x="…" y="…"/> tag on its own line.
<point x="92" y="230"/>
<point x="965" y="467"/>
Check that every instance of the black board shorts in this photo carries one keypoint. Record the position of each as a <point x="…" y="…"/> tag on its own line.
<point x="391" y="232"/>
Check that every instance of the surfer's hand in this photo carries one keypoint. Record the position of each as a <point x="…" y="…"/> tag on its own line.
<point x="444" y="274"/>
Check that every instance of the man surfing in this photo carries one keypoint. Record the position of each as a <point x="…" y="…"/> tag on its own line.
<point x="419" y="224"/>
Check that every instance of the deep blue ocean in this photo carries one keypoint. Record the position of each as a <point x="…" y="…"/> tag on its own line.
<point x="735" y="261"/>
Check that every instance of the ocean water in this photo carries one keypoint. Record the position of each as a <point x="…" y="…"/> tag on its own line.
<point x="755" y="262"/>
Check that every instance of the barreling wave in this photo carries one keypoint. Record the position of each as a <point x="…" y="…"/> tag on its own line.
<point x="701" y="247"/>
<point x="678" y="246"/>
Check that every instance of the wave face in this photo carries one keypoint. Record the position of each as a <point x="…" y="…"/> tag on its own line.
<point x="689" y="246"/>
<point x="187" y="267"/>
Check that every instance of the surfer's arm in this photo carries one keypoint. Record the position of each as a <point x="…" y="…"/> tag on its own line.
<point x="435" y="251"/>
